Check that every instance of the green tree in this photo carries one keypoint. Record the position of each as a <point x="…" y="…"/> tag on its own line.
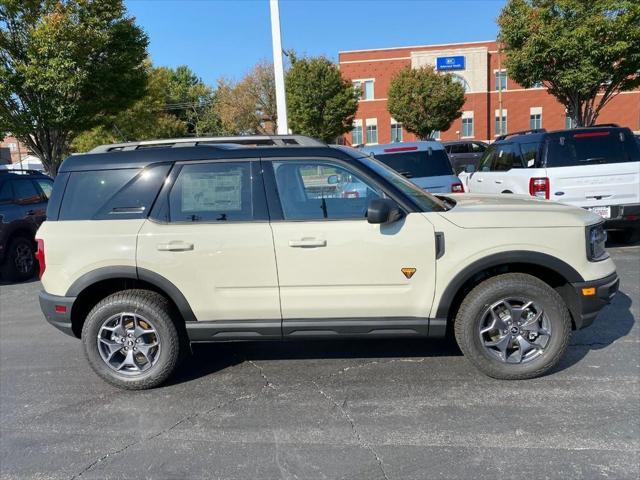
<point x="320" y="102"/>
<point x="424" y="100"/>
<point x="147" y="118"/>
<point x="64" y="65"/>
<point x="585" y="52"/>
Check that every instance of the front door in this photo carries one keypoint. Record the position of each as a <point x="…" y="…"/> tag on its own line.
<point x="213" y="242"/>
<point x="335" y="266"/>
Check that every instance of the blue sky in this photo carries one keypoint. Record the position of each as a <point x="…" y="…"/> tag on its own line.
<point x="227" y="37"/>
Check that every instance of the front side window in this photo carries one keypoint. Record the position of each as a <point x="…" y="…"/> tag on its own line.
<point x="25" y="192"/>
<point x="319" y="190"/>
<point x="212" y="192"/>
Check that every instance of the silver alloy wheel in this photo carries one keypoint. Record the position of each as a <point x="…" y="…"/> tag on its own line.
<point x="515" y="330"/>
<point x="24" y="258"/>
<point x="128" y="343"/>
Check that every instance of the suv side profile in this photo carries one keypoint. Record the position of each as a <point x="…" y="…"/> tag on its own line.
<point x="597" y="168"/>
<point x="23" y="203"/>
<point x="146" y="250"/>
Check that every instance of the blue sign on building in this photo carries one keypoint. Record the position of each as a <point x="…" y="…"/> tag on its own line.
<point x="450" y="63"/>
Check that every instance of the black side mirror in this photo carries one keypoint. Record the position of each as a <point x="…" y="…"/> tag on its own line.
<point x="383" y="210"/>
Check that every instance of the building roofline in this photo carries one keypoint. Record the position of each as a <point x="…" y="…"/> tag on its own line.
<point x="417" y="46"/>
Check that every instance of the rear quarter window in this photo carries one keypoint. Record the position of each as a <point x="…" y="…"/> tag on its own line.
<point x="422" y="163"/>
<point x="111" y="194"/>
<point x="570" y="149"/>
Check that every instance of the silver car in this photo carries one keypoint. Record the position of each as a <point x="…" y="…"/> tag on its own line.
<point x="425" y="163"/>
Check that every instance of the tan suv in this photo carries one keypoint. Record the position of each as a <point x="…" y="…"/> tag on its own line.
<point x="254" y="238"/>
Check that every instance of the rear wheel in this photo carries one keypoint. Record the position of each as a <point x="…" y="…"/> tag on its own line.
<point x="513" y="326"/>
<point x="130" y="339"/>
<point x="20" y="262"/>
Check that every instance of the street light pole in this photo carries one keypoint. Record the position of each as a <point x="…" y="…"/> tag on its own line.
<point x="278" y="69"/>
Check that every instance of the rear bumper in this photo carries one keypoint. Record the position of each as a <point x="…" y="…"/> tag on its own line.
<point x="56" y="316"/>
<point x="623" y="217"/>
<point x="585" y="308"/>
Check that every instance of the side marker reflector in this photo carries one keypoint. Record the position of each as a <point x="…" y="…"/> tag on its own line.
<point x="589" y="291"/>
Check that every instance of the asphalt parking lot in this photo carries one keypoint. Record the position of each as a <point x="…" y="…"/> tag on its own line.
<point x="348" y="409"/>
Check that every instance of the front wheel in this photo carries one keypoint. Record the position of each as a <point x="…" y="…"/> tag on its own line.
<point x="513" y="326"/>
<point x="130" y="339"/>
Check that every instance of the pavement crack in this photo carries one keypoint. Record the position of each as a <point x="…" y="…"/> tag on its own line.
<point x="267" y="382"/>
<point x="161" y="432"/>
<point x="590" y="344"/>
<point x="361" y="441"/>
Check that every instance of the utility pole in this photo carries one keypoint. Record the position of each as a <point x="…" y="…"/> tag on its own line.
<point x="500" y="90"/>
<point x="278" y="69"/>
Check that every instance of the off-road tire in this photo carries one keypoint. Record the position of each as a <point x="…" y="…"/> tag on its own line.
<point x="157" y="310"/>
<point x="467" y="324"/>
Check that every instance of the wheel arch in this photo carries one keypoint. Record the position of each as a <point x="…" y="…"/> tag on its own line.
<point x="93" y="286"/>
<point x="553" y="271"/>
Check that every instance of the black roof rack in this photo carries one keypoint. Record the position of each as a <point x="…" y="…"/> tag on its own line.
<point x="246" y="140"/>
<point x="522" y="132"/>
<point x="614" y="125"/>
<point x="25" y="171"/>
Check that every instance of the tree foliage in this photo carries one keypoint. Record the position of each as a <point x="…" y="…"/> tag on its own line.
<point x="147" y="118"/>
<point x="585" y="52"/>
<point x="64" y="66"/>
<point x="424" y="100"/>
<point x="248" y="106"/>
<point x="320" y="102"/>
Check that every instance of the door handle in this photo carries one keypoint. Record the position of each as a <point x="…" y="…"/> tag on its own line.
<point x="308" y="243"/>
<point x="498" y="181"/>
<point x="175" y="246"/>
<point x="478" y="180"/>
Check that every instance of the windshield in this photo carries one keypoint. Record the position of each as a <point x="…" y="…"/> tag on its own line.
<point x="423" y="200"/>
<point x="423" y="163"/>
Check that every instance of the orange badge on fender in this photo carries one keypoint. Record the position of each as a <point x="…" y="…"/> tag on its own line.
<point x="408" y="272"/>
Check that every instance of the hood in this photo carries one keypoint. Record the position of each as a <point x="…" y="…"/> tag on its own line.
<point x="515" y="211"/>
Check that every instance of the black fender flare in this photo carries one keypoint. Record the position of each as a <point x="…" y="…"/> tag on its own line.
<point x="134" y="273"/>
<point x="562" y="268"/>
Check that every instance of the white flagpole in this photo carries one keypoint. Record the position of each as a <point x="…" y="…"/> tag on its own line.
<point x="281" y="102"/>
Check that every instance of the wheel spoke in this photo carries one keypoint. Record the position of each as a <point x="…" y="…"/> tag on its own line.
<point x="129" y="361"/>
<point x="533" y="323"/>
<point x="112" y="347"/>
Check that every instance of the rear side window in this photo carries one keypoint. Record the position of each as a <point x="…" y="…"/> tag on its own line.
<point x="529" y="153"/>
<point x="423" y="163"/>
<point x="570" y="149"/>
<point x="111" y="194"/>
<point x="46" y="186"/>
<point x="25" y="192"/>
<point x="507" y="157"/>
<point x="212" y="192"/>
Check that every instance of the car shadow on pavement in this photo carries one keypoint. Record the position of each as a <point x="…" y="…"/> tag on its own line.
<point x="214" y="357"/>
<point x="4" y="282"/>
<point x="613" y="323"/>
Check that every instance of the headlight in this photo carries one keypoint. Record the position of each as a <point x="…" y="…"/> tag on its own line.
<point x="596" y="238"/>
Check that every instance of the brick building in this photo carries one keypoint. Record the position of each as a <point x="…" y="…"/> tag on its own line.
<point x="12" y="150"/>
<point x="479" y="67"/>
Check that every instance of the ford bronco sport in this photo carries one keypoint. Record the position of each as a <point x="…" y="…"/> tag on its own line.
<point x="150" y="246"/>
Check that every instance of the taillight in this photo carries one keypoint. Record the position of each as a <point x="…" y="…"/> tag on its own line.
<point x="350" y="194"/>
<point x="40" y="257"/>
<point x="539" y="187"/>
<point x="457" y="188"/>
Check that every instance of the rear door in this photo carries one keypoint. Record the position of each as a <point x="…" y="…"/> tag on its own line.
<point x="211" y="239"/>
<point x="594" y="168"/>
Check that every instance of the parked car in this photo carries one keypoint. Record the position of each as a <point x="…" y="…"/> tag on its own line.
<point x="425" y="163"/>
<point x="23" y="202"/>
<point x="463" y="153"/>
<point x="147" y="249"/>
<point x="596" y="168"/>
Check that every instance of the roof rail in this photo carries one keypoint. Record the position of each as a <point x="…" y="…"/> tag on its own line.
<point x="25" y="171"/>
<point x="522" y="132"/>
<point x="248" y="140"/>
<point x="614" y="125"/>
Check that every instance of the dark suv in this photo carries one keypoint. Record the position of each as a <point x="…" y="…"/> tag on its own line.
<point x="463" y="153"/>
<point x="23" y="203"/>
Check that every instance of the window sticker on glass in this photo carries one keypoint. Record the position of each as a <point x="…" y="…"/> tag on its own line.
<point x="202" y="192"/>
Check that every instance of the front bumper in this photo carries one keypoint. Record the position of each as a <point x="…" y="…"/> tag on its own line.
<point x="585" y="308"/>
<point x="57" y="311"/>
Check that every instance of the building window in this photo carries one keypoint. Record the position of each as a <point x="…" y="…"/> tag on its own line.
<point x="501" y="80"/>
<point x="435" y="134"/>
<point x="501" y="123"/>
<point x="356" y="133"/>
<point x="357" y="86"/>
<point x="396" y="131"/>
<point x="568" y="122"/>
<point x="368" y="90"/>
<point x="372" y="130"/>
<point x="12" y="146"/>
<point x="467" y="127"/>
<point x="535" y="121"/>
